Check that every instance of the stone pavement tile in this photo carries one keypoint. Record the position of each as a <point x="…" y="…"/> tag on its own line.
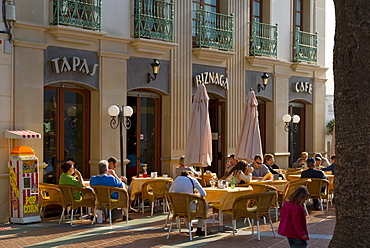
<point x="144" y="231"/>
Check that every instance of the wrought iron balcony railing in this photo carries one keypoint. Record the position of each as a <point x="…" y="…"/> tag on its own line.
<point x="213" y="30"/>
<point x="305" y="47"/>
<point x="153" y="19"/>
<point x="79" y="13"/>
<point x="263" y="39"/>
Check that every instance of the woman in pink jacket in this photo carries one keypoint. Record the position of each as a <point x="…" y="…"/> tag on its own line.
<point x="293" y="219"/>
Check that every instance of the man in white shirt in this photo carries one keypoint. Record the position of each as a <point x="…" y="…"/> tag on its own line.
<point x="186" y="184"/>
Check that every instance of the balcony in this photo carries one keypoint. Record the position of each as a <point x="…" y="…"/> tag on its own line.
<point x="213" y="30"/>
<point x="153" y="19"/>
<point x="263" y="39"/>
<point x="78" y="13"/>
<point x="305" y="47"/>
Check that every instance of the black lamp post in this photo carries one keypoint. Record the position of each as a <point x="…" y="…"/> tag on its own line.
<point x="265" y="80"/>
<point x="123" y="120"/>
<point x="291" y="126"/>
<point x="155" y="67"/>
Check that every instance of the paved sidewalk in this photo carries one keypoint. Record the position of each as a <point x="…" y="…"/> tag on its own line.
<point x="145" y="231"/>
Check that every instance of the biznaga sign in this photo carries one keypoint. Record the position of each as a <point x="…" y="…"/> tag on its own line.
<point x="212" y="78"/>
<point x="74" y="64"/>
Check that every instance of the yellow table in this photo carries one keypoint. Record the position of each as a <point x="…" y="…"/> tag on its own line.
<point x="223" y="199"/>
<point x="137" y="183"/>
<point x="278" y="184"/>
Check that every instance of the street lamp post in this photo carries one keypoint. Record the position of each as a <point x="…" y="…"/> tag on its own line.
<point x="123" y="120"/>
<point x="291" y="126"/>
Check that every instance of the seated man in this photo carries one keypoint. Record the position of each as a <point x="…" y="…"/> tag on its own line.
<point x="311" y="172"/>
<point x="183" y="167"/>
<point x="186" y="184"/>
<point x="269" y="161"/>
<point x="104" y="179"/>
<point x="260" y="170"/>
<point x="232" y="162"/>
<point x="301" y="162"/>
<point x="112" y="163"/>
<point x="330" y="167"/>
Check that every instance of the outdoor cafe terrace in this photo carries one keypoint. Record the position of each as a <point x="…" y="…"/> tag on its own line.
<point x="150" y="229"/>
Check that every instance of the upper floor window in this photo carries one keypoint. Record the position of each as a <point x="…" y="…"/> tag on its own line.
<point x="154" y="19"/>
<point x="211" y="29"/>
<point x="207" y="5"/>
<point x="298" y="14"/>
<point x="256" y="10"/>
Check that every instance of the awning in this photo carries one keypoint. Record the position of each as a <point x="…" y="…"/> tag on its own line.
<point x="21" y="134"/>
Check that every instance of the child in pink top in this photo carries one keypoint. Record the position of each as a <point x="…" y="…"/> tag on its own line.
<point x="293" y="218"/>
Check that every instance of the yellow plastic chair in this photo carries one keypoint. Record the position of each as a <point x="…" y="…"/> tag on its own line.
<point x="103" y="197"/>
<point x="254" y="207"/>
<point x="50" y="194"/>
<point x="154" y="190"/>
<point x="260" y="188"/>
<point x="293" y="185"/>
<point x="318" y="189"/>
<point x="87" y="199"/>
<point x="180" y="207"/>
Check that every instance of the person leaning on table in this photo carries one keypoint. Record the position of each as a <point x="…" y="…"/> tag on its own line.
<point x="269" y="161"/>
<point x="186" y="184"/>
<point x="260" y="170"/>
<point x="238" y="173"/>
<point x="301" y="162"/>
<point x="71" y="176"/>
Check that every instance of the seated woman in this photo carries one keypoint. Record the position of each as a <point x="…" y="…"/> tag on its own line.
<point x="240" y="172"/>
<point x="71" y="176"/>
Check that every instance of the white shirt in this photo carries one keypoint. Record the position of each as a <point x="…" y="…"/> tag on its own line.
<point x="183" y="184"/>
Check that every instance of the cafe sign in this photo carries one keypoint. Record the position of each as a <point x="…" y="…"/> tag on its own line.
<point x="76" y="64"/>
<point x="305" y="87"/>
<point x="212" y="78"/>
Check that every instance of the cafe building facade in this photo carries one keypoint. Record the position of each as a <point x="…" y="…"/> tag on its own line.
<point x="64" y="64"/>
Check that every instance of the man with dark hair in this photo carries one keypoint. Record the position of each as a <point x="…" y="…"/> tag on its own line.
<point x="269" y="161"/>
<point x="330" y="167"/>
<point x="112" y="163"/>
<point x="260" y="170"/>
<point x="311" y="172"/>
<point x="232" y="162"/>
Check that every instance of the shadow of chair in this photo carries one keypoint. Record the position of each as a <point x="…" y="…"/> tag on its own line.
<point x="189" y="207"/>
<point x="87" y="199"/>
<point x="104" y="198"/>
<point x="293" y="185"/>
<point x="50" y="194"/>
<point x="254" y="207"/>
<point x="318" y="189"/>
<point x="154" y="190"/>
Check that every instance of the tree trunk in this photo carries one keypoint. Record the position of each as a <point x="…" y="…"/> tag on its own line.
<point x="352" y="123"/>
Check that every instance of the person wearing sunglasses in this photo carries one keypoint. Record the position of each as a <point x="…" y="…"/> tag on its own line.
<point x="260" y="170"/>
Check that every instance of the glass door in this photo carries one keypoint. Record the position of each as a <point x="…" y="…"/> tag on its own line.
<point x="297" y="139"/>
<point x="217" y="119"/>
<point x="66" y="130"/>
<point x="143" y="138"/>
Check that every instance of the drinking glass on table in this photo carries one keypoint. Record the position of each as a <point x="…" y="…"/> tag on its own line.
<point x="212" y="182"/>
